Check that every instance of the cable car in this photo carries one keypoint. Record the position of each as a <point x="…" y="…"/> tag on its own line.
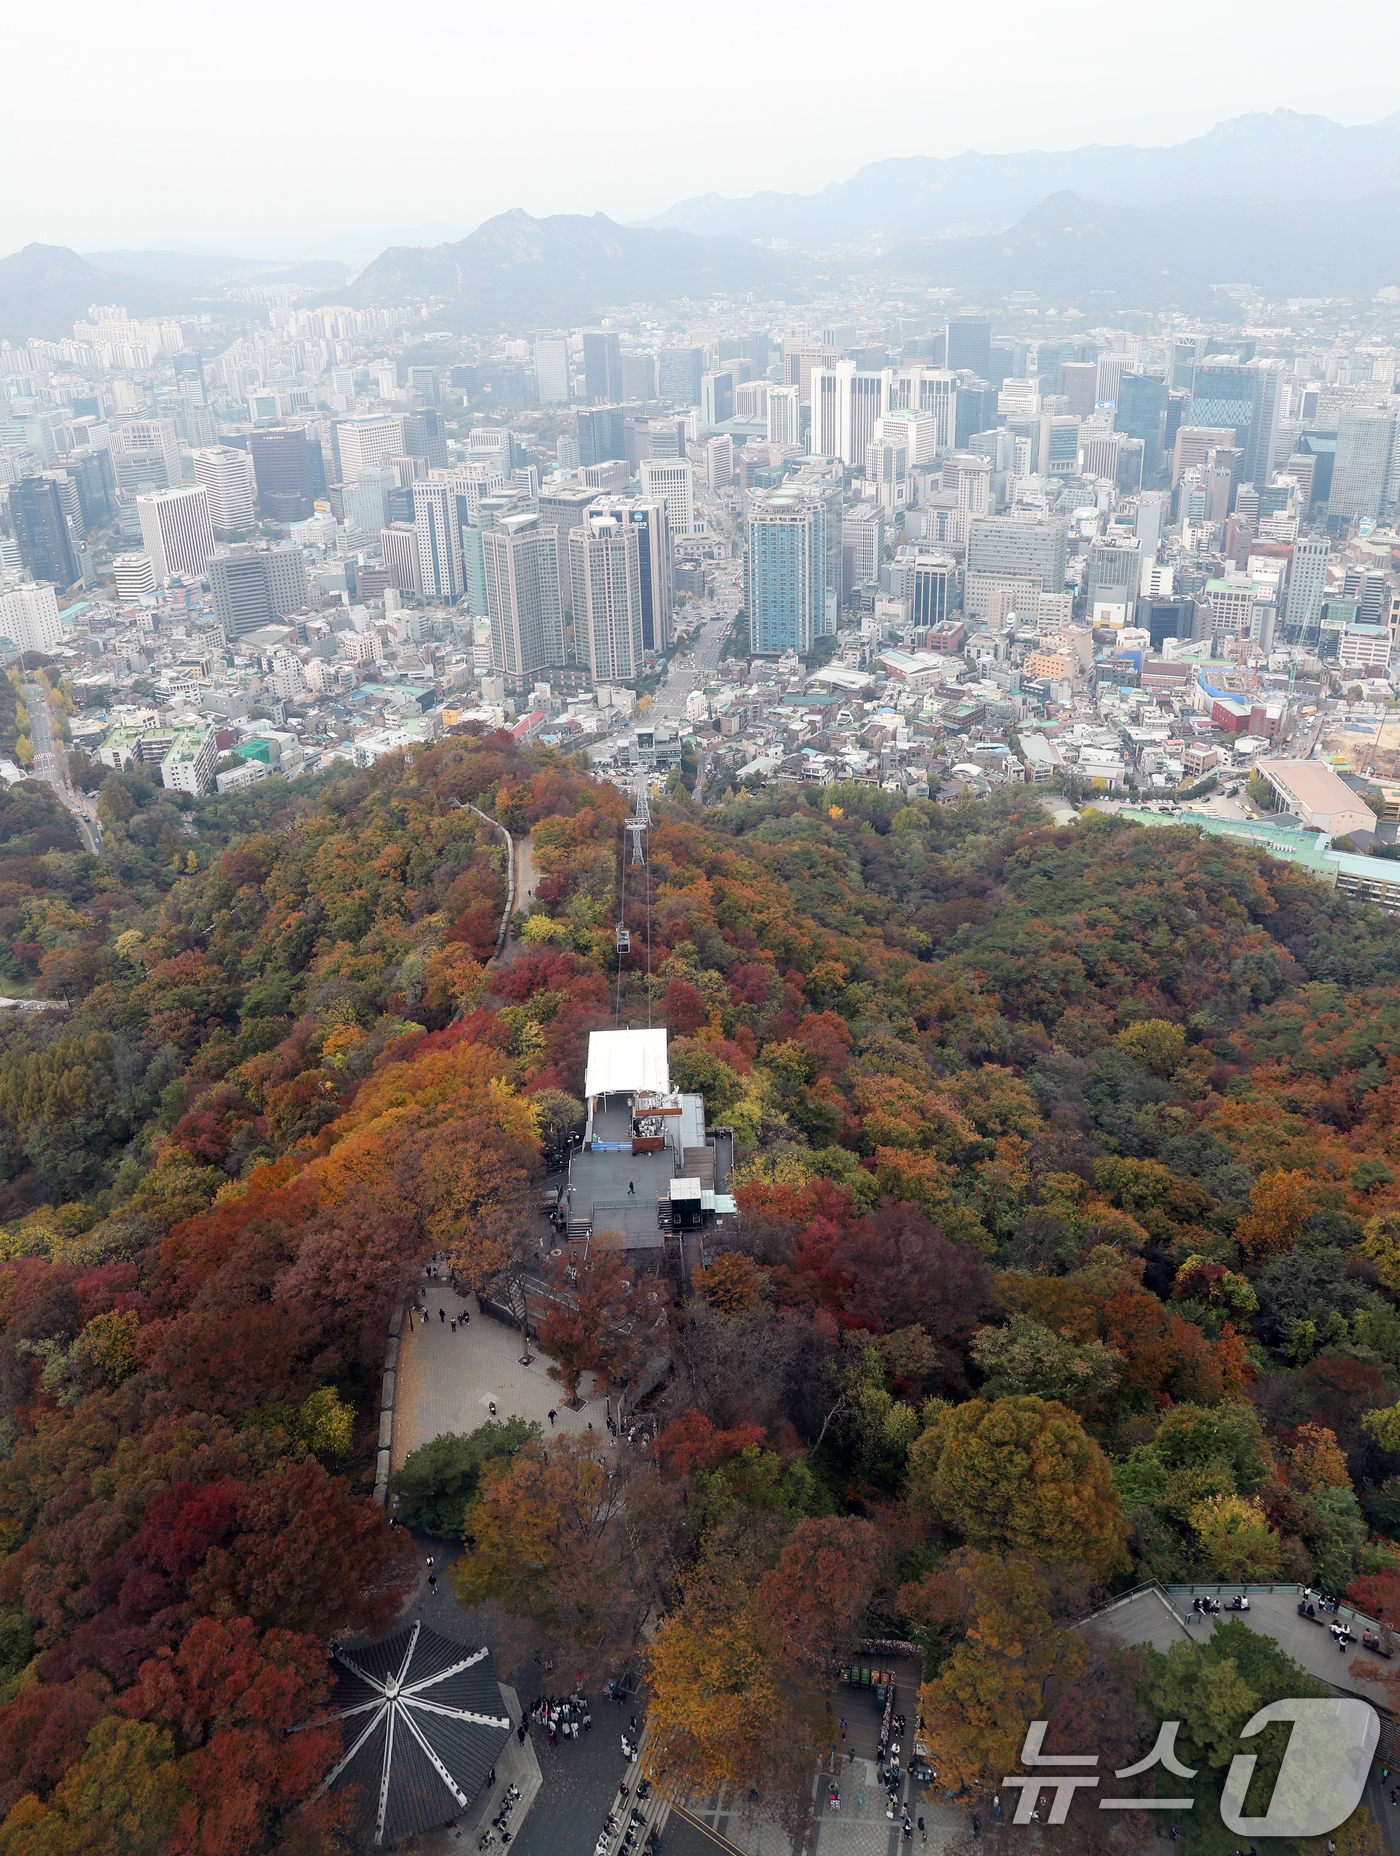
<point x="624" y="939"/>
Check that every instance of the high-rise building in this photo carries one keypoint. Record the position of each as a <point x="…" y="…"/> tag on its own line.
<point x="975" y="411"/>
<point x="398" y="550"/>
<point x="1302" y="612"/>
<point x="716" y="398"/>
<point x="639" y="377"/>
<point x="1222" y="394"/>
<point x="1011" y="548"/>
<point x="521" y="556"/>
<point x="602" y="433"/>
<point x="425" y="436"/>
<point x="552" y="370"/>
<point x="719" y="461"/>
<point x="146" y="455"/>
<point x="564" y="506"/>
<point x="786" y="593"/>
<point x="1115" y="574"/>
<point x="887" y="467"/>
<point x="784" y="416"/>
<point x="1141" y="412"/>
<point x="177" y="531"/>
<point x="933" y="590"/>
<point x="254" y="586"/>
<point x="363" y="501"/>
<point x="135" y="578"/>
<point x="227" y="474"/>
<point x="439" y="532"/>
<point x="605" y="570"/>
<point x="1079" y="384"/>
<point x="969" y="345"/>
<point x="671" y="482"/>
<point x="847" y="403"/>
<point x="656" y="565"/>
<point x="1359" y="473"/>
<point x="29" y="618"/>
<point x="678" y="372"/>
<point x="282" y="468"/>
<point x="602" y="366"/>
<point x="862" y="546"/>
<point x="40" y="524"/>
<point x="364" y="444"/>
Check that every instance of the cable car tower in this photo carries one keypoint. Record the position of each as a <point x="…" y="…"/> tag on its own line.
<point x="638" y="824"/>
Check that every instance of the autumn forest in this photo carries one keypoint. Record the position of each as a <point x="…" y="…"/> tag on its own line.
<point x="1068" y="1163"/>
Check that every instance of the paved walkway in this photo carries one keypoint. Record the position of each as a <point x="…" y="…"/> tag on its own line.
<point x="447" y="1380"/>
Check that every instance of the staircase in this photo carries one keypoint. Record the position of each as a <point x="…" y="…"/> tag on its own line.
<point x="699" y="1163"/>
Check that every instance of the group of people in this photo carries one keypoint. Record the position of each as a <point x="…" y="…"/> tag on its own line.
<point x="566" y="1716"/>
<point x="633" y="1827"/>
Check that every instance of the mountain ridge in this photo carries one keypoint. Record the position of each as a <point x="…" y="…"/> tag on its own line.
<point x="1278" y="154"/>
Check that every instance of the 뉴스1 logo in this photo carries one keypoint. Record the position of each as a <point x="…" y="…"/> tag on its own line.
<point x="1318" y="1787"/>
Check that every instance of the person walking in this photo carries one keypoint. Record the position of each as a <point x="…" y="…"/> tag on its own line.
<point x="551" y="1420"/>
<point x="631" y="1190"/>
<point x="442" y="1314"/>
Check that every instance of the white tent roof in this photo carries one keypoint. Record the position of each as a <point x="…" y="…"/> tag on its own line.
<point x="622" y="1062"/>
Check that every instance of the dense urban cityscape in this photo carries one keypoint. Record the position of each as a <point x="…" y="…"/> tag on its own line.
<point x="701" y="1022"/>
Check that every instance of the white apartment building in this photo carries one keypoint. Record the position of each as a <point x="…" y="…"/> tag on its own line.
<point x="719" y="461"/>
<point x="227" y="474"/>
<point x="671" y="481"/>
<point x="155" y="438"/>
<point x="177" y="531"/>
<point x="522" y="592"/>
<point x="932" y="390"/>
<point x="29" y="617"/>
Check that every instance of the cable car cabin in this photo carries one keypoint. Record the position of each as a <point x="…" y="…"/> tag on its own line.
<point x="624" y="939"/>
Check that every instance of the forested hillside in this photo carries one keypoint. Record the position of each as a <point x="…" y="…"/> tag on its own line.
<point x="1070" y="1257"/>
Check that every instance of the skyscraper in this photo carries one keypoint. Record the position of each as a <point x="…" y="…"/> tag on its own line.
<point x="438" y="529"/>
<point x="671" y="482"/>
<point x="605" y="569"/>
<point x="784" y="416"/>
<point x="934" y="590"/>
<point x="227" y="474"/>
<point x="1141" y="412"/>
<point x="969" y="345"/>
<point x="552" y="369"/>
<point x="786" y="593"/>
<point x="365" y="443"/>
<point x="1244" y="397"/>
<point x="146" y="455"/>
<point x="1302" y="612"/>
<point x="1363" y="457"/>
<point x="847" y="401"/>
<point x="602" y="366"/>
<point x="654" y="560"/>
<point x="282" y="467"/>
<point x="678" y="372"/>
<point x="521" y="557"/>
<point x="716" y="398"/>
<point x="975" y="411"/>
<point x="177" y="531"/>
<point x="40" y="524"/>
<point x="255" y="586"/>
<point x="602" y="434"/>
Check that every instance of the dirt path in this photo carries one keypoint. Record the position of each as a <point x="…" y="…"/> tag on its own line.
<point x="524" y="872"/>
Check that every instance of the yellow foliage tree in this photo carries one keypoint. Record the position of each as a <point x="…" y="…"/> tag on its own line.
<point x="1279" y="1207"/>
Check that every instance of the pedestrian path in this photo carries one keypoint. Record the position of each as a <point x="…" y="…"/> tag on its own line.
<point x="448" y="1380"/>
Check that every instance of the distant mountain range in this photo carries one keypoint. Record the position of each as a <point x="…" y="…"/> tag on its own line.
<point x="566" y="269"/>
<point x="1081" y="251"/>
<point x="1296" y="205"/>
<point x="1276" y="156"/>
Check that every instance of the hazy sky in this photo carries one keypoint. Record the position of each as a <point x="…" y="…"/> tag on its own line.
<point x="272" y="129"/>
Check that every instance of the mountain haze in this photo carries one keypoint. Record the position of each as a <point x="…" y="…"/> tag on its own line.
<point x="565" y="268"/>
<point x="1276" y="156"/>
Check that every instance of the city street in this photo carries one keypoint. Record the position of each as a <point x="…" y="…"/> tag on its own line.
<point x="52" y="765"/>
<point x="690" y="669"/>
